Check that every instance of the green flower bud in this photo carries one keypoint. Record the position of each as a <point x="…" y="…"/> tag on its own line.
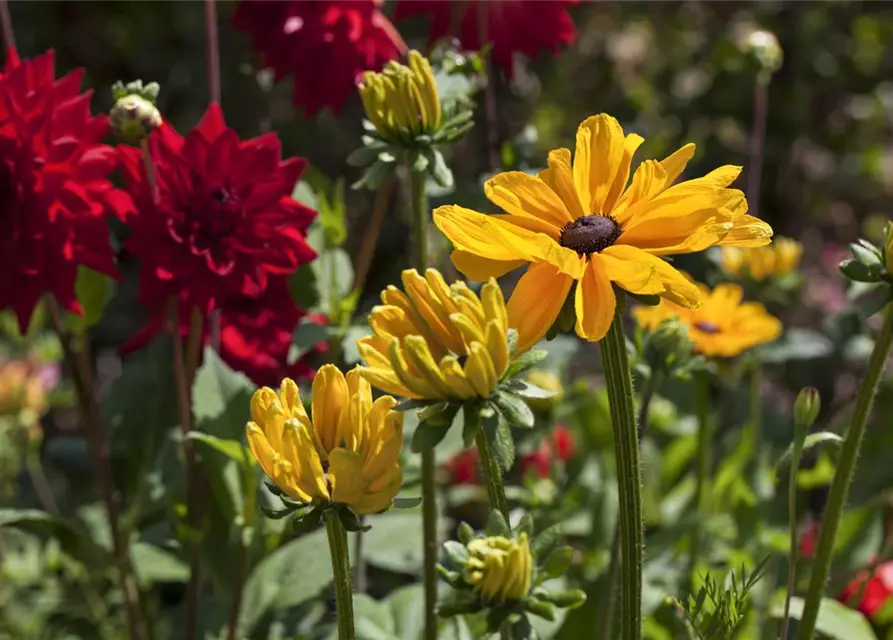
<point x="133" y="117"/>
<point x="806" y="407"/>
<point x="669" y="344"/>
<point x="764" y="47"/>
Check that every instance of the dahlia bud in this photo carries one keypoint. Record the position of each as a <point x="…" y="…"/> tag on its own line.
<point x="806" y="408"/>
<point x="763" y="46"/>
<point x="134" y="115"/>
<point x="549" y="382"/>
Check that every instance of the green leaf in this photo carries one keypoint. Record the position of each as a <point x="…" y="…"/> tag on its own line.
<point x="366" y="154"/>
<point x="331" y="214"/>
<point x="557" y="563"/>
<point x="545" y="542"/>
<point x="497" y="525"/>
<point x="812" y="440"/>
<point x="525" y="361"/>
<point x="835" y="620"/>
<point x="465" y="533"/>
<point x="499" y="437"/>
<point x="860" y="272"/>
<point x="154" y="564"/>
<point x="395" y="542"/>
<point x="305" y="194"/>
<point x="93" y="291"/>
<point x="378" y="172"/>
<point x="525" y="525"/>
<point x="407" y="503"/>
<point x="456" y="552"/>
<point x="867" y="255"/>
<point x="426" y="436"/>
<point x="221" y="398"/>
<point x="527" y="390"/>
<point x="232" y="449"/>
<point x="438" y="169"/>
<point x="288" y="577"/>
<point x="307" y="335"/>
<point x="41" y="523"/>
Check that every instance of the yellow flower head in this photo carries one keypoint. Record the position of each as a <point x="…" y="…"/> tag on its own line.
<point x="424" y="334"/>
<point x="722" y="326"/>
<point x="763" y="263"/>
<point x="580" y="222"/>
<point x="21" y="389"/>
<point x="346" y="454"/>
<point x="500" y="569"/>
<point x="401" y="101"/>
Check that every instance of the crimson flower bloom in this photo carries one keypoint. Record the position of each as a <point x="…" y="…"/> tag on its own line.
<point x="512" y="26"/>
<point x="875" y="593"/>
<point x="462" y="468"/>
<point x="325" y="45"/>
<point x="560" y="445"/>
<point x="222" y="221"/>
<point x="54" y="195"/>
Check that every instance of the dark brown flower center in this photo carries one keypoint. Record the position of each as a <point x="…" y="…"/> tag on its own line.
<point x="590" y="234"/>
<point x="707" y="327"/>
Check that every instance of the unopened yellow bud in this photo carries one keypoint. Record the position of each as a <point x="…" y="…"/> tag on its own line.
<point x="500" y="569"/>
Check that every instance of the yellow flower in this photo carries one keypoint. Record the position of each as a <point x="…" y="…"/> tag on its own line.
<point x="21" y="389"/>
<point x="762" y="263"/>
<point x="347" y="454"/>
<point x="422" y="336"/>
<point x="500" y="569"/>
<point x="580" y="223"/>
<point x="402" y="100"/>
<point x="722" y="326"/>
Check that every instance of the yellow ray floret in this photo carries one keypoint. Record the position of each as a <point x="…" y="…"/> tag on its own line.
<point x="584" y="222"/>
<point x="762" y="263"/>
<point x="402" y="101"/>
<point x="500" y="569"/>
<point x="346" y="454"/>
<point x="436" y="341"/>
<point x="723" y="326"/>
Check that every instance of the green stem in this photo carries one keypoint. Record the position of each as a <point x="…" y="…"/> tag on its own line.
<point x="843" y="476"/>
<point x="756" y="410"/>
<point x="420" y="216"/>
<point x="341" y="572"/>
<point x="629" y="476"/>
<point x="792" y="515"/>
<point x="702" y="485"/>
<point x="492" y="476"/>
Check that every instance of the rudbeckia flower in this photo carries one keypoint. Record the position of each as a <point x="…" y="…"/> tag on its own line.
<point x="422" y="336"/>
<point x="346" y="452"/>
<point x="500" y="569"/>
<point x="723" y="326"/>
<point x="512" y="26"/>
<point x="54" y="192"/>
<point x="580" y="223"/>
<point x="762" y="263"/>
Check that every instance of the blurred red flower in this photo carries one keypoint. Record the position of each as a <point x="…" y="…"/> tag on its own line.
<point x="875" y="593"/>
<point x="463" y="467"/>
<point x="223" y="220"/>
<point x="565" y="445"/>
<point x="559" y="445"/>
<point x="324" y="44"/>
<point x="512" y="26"/>
<point x="53" y="188"/>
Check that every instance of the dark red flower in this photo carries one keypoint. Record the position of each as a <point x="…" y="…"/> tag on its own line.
<point x="512" y="26"/>
<point x="565" y="445"/>
<point x="463" y="468"/>
<point x="223" y="220"/>
<point x="325" y="45"/>
<point x="875" y="593"/>
<point x="539" y="461"/>
<point x="54" y="195"/>
<point x="809" y="538"/>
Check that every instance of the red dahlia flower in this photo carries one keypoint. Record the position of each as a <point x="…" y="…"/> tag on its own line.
<point x="875" y="593"/>
<point x="512" y="26"/>
<point x="560" y="445"/>
<point x="462" y="468"/>
<point x="325" y="45"/>
<point x="54" y="195"/>
<point x="223" y="220"/>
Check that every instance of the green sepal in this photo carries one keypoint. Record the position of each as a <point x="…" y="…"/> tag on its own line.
<point x="497" y="525"/>
<point x="525" y="525"/>
<point x="308" y="522"/>
<point x="544" y="543"/>
<point x="456" y="552"/>
<point x="855" y="270"/>
<point x="407" y="405"/>
<point x="465" y="533"/>
<point x="556" y="564"/>
<point x="278" y="514"/>
<point x="525" y="361"/>
<point x="521" y="629"/>
<point x="567" y="599"/>
<point x="540" y="608"/>
<point x="438" y="169"/>
<point x="496" y="616"/>
<point x="528" y="390"/>
<point x="458" y="607"/>
<point x="350" y="520"/>
<point x="407" y="503"/>
<point x="514" y="409"/>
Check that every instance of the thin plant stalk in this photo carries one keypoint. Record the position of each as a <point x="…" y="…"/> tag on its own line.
<point x="98" y="446"/>
<point x="492" y="476"/>
<point x="796" y="454"/>
<point x="363" y="261"/>
<point x="338" y="549"/>
<point x="843" y="477"/>
<point x="359" y="560"/>
<point x="755" y="410"/>
<point x="629" y="474"/>
<point x="212" y="50"/>
<point x="420" y="215"/>
<point x="490" y="110"/>
<point x="757" y="141"/>
<point x="35" y="471"/>
<point x="704" y="449"/>
<point x="606" y="617"/>
<point x="6" y="20"/>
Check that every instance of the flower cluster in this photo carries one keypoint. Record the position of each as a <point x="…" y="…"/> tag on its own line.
<point x="343" y="38"/>
<point x="774" y="261"/>
<point x="344" y="453"/>
<point x="579" y="224"/>
<point x="723" y="326"/>
<point x="54" y="186"/>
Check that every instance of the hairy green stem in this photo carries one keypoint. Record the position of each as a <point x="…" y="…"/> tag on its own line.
<point x="492" y="476"/>
<point x="341" y="571"/>
<point x="702" y="484"/>
<point x="843" y="477"/>
<point x="796" y="453"/>
<point x="629" y="475"/>
<point x="420" y="216"/>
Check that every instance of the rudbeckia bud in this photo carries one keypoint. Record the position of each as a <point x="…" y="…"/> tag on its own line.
<point x="764" y="47"/>
<point x="134" y="115"/>
<point x="806" y="408"/>
<point x="499" y="569"/>
<point x="550" y="382"/>
<point x="401" y="101"/>
<point x="669" y="344"/>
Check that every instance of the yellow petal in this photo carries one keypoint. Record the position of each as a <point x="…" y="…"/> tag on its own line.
<point x="415" y="384"/>
<point x="290" y="397"/>
<point x="494" y="304"/>
<point x="470" y="331"/>
<point x="484" y="235"/>
<point x="431" y="310"/>
<point x="416" y="351"/>
<point x="632" y="269"/>
<point x="260" y="447"/>
<point x="346" y="477"/>
<point x="524" y="195"/>
<point x="480" y="371"/>
<point x="606" y="152"/>
<point x="455" y="377"/>
<point x="536" y="301"/>
<point x="748" y="231"/>
<point x="329" y="401"/>
<point x="354" y="429"/>
<point x="675" y="163"/>
<point x="264" y="405"/>
<point x="497" y="347"/>
<point x="630" y="145"/>
<point x="481" y="269"/>
<point x="649" y="180"/>
<point x="560" y="179"/>
<point x="387" y="381"/>
<point x="311" y="481"/>
<point x="595" y="302"/>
